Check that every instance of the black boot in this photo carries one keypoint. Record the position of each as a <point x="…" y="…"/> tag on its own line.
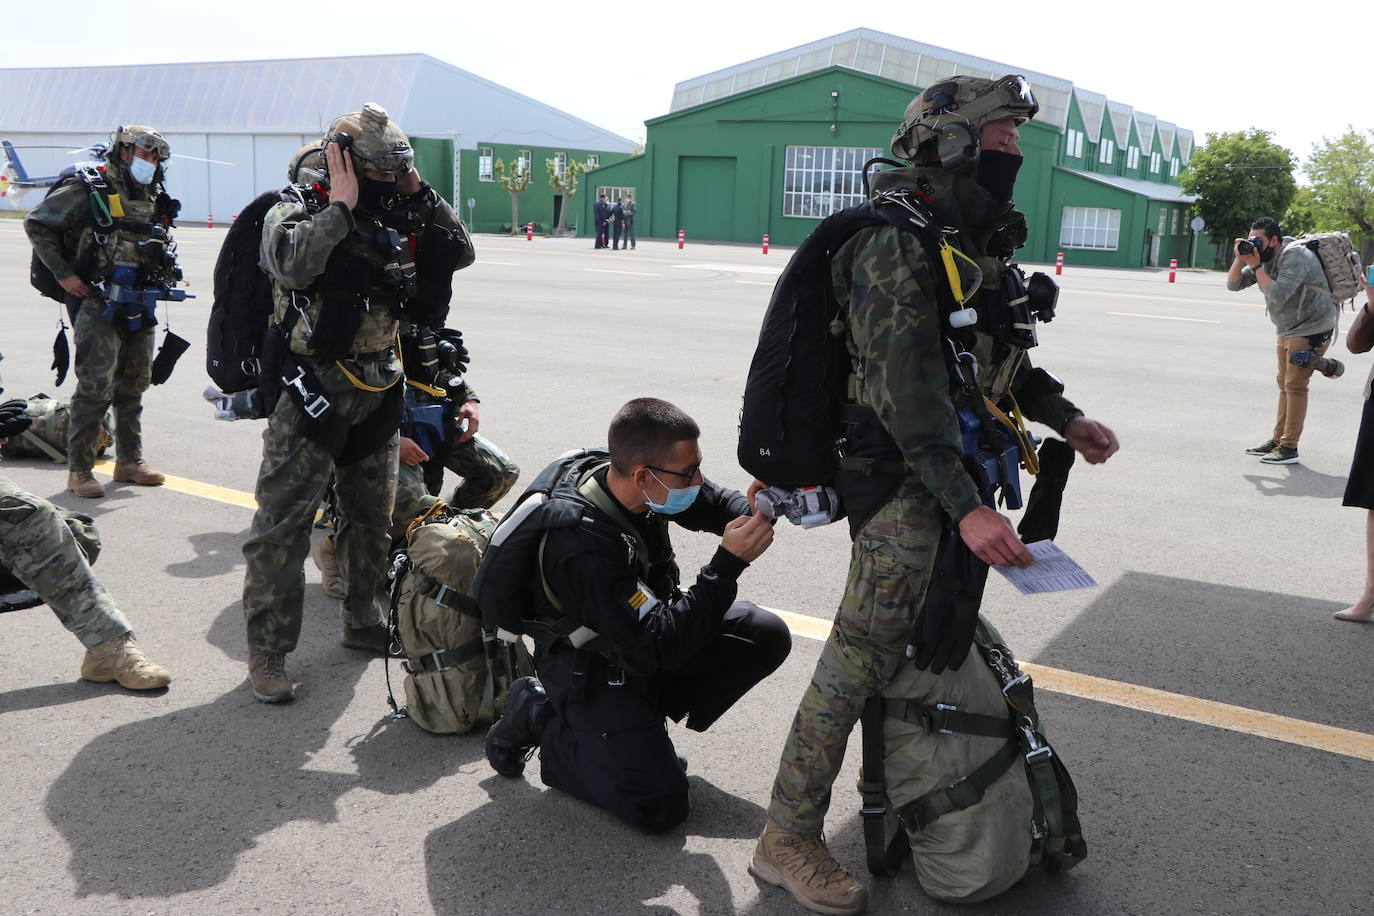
<point x="512" y="740"/>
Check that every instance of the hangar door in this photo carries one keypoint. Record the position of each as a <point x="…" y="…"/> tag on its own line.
<point x="706" y="196"/>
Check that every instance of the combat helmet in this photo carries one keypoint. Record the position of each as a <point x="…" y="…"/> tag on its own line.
<point x="377" y="142"/>
<point x="142" y="137"/>
<point x="307" y="166"/>
<point x="959" y="107"/>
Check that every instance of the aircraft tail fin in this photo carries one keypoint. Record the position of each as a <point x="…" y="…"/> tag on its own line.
<point x="12" y="157"/>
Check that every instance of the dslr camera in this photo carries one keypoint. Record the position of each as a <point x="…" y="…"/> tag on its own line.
<point x="1253" y="245"/>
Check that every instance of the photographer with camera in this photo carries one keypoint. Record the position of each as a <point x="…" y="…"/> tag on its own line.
<point x="1298" y="301"/>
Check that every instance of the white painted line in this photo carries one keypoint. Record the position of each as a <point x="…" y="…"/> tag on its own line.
<point x="1165" y="317"/>
<point x="755" y="282"/>
<point x="731" y="268"/>
<point x="631" y="273"/>
<point x="502" y="263"/>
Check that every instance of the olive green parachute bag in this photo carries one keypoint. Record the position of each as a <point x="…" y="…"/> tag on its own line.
<point x="46" y="436"/>
<point x="962" y="760"/>
<point x="456" y="674"/>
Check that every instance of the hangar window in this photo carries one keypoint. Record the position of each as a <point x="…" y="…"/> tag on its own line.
<point x="1133" y="158"/>
<point x="522" y="165"/>
<point x="593" y="160"/>
<point x="614" y="192"/>
<point x="1106" y="152"/>
<point x="1173" y="222"/>
<point x="1154" y="163"/>
<point x="484" y="160"/>
<point x="560" y="164"/>
<point x="822" y="179"/>
<point x="1073" y="145"/>
<point x="1090" y="227"/>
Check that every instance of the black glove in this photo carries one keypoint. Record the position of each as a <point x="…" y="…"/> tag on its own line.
<point x="944" y="628"/>
<point x="13" y="418"/>
<point x="453" y="354"/>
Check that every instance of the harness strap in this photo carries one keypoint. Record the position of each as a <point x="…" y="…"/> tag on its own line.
<point x="447" y="597"/>
<point x="869" y="466"/>
<point x="948" y="720"/>
<point x="444" y="659"/>
<point x="883" y="858"/>
<point x="33" y="439"/>
<point x="962" y="793"/>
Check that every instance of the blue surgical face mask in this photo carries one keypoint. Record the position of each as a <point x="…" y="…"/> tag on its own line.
<point x="677" y="501"/>
<point x="142" y="170"/>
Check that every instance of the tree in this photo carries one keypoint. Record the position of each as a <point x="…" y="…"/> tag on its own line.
<point x="514" y="184"/>
<point x="1342" y="176"/>
<point x="1301" y="217"/>
<point x="565" y="184"/>
<point x="1239" y="177"/>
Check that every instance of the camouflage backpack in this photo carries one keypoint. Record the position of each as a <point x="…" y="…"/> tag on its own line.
<point x="46" y="437"/>
<point x="1339" y="263"/>
<point x="456" y="673"/>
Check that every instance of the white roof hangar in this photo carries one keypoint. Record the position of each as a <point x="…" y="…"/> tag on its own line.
<point x="257" y="113"/>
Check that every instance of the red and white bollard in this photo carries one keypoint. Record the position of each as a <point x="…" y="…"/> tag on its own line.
<point x="1173" y="268"/>
<point x="1059" y="263"/>
<point x="681" y="237"/>
<point x="209" y="221"/>
<point x="529" y="232"/>
<point x="765" y="243"/>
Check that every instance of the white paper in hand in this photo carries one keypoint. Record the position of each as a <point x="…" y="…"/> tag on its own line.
<point x="1053" y="571"/>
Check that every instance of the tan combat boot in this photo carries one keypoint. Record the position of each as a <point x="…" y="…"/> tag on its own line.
<point x="804" y="867"/>
<point x="138" y="472"/>
<point x="267" y="672"/>
<point x="327" y="562"/>
<point x="121" y="660"/>
<point x="83" y="483"/>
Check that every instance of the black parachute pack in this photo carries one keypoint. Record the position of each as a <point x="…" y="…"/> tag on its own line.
<point x="40" y="277"/>
<point x="795" y="392"/>
<point x="511" y="567"/>
<point x="242" y="308"/>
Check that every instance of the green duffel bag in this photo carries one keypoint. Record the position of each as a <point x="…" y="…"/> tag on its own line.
<point x="46" y="436"/>
<point x="456" y="674"/>
<point x="980" y="795"/>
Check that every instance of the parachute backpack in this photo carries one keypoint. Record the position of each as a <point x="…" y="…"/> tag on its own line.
<point x="46" y="436"/>
<point x="242" y="308"/>
<point x="456" y="674"/>
<point x="962" y="760"/>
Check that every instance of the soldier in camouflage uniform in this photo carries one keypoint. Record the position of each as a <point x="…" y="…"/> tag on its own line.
<point x="113" y="363"/>
<point x="339" y="292"/>
<point x="885" y="281"/>
<point x="40" y="550"/>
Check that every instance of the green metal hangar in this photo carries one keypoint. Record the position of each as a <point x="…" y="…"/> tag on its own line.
<point x="256" y="114"/>
<point x="772" y="145"/>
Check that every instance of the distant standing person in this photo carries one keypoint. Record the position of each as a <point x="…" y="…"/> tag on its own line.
<point x="1359" y="489"/>
<point x="630" y="209"/>
<point x="602" y="213"/>
<point x="617" y="224"/>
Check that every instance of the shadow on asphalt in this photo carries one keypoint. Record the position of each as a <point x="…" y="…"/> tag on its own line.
<point x="1299" y="481"/>
<point x="61" y="694"/>
<point x="545" y="852"/>
<point x="217" y="553"/>
<point x="179" y="797"/>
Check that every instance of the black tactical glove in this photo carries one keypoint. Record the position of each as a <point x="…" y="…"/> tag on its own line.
<point x="453" y="354"/>
<point x="13" y="418"/>
<point x="944" y="628"/>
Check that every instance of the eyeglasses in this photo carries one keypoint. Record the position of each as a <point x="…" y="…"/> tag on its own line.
<point x="689" y="475"/>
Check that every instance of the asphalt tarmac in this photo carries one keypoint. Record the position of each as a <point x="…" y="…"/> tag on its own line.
<point x="1215" y="718"/>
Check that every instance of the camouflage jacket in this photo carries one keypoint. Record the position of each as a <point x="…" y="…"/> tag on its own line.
<point x="63" y="232"/>
<point x="885" y="282"/>
<point x="296" y="245"/>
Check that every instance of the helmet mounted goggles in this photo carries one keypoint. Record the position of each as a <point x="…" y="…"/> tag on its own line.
<point x="969" y="100"/>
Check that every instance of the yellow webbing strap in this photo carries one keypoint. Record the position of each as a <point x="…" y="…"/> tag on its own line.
<point x="947" y="252"/>
<point x="360" y="384"/>
<point x="436" y="509"/>
<point x="1018" y="429"/>
<point x="428" y="389"/>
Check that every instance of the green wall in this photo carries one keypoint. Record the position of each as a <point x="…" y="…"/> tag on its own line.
<point x="492" y="210"/>
<point x="434" y="162"/>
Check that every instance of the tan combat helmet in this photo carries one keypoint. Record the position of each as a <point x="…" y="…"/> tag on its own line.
<point x="142" y="137"/>
<point x="377" y="142"/>
<point x="307" y="166"/>
<point x="965" y="103"/>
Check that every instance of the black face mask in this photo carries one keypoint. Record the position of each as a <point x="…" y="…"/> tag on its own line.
<point x="377" y="197"/>
<point x="1267" y="254"/>
<point x="997" y="173"/>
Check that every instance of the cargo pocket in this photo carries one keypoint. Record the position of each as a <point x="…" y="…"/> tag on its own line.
<point x="15" y="510"/>
<point x="886" y="579"/>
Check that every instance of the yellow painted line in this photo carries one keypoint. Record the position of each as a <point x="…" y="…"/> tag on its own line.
<point x="1165" y="317"/>
<point x="1343" y="741"/>
<point x="632" y="273"/>
<point x="196" y="488"/>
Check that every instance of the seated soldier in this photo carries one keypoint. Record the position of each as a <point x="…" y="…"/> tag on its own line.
<point x="39" y="550"/>
<point x="597" y="716"/>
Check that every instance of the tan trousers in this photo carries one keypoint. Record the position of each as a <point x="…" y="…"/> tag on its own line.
<point x="1292" y="391"/>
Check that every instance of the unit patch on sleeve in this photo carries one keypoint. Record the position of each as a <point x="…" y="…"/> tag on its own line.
<point x="642" y="600"/>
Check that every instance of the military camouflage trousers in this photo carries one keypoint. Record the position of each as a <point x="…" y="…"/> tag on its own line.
<point x="113" y="367"/>
<point x="488" y="474"/>
<point x="889" y="567"/>
<point x="38" y="547"/>
<point x="294" y="473"/>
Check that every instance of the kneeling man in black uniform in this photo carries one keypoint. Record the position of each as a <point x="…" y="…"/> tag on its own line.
<point x="597" y="712"/>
